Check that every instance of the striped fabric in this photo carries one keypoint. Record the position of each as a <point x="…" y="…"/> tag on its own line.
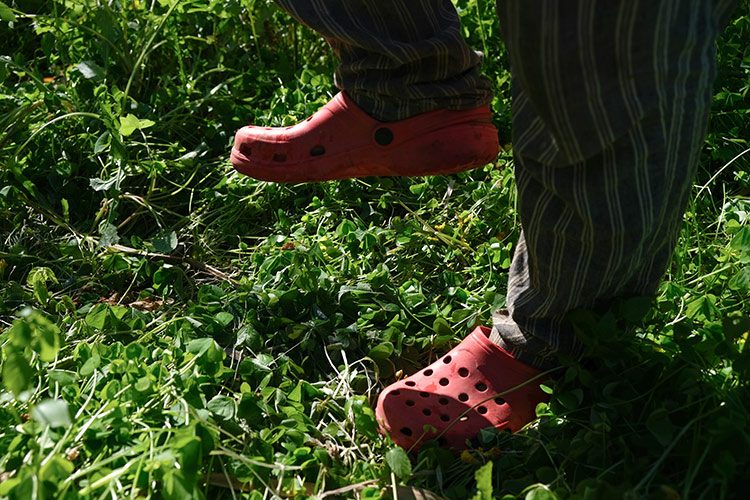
<point x="398" y="58"/>
<point x="610" y="108"/>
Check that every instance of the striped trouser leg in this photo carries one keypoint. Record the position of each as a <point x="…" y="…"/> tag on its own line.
<point x="611" y="101"/>
<point x="398" y="58"/>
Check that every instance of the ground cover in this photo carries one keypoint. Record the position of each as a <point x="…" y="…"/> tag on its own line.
<point x="172" y="329"/>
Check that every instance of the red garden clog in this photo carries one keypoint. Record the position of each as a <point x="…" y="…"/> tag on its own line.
<point x="341" y="141"/>
<point x="476" y="385"/>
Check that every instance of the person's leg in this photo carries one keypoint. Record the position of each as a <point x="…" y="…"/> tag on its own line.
<point x="611" y="102"/>
<point x="398" y="58"/>
<point x="412" y="103"/>
<point x="610" y="106"/>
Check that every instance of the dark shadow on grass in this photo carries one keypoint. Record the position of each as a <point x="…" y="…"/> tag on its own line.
<point x="653" y="410"/>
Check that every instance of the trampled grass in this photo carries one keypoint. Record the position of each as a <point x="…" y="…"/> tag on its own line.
<point x="172" y="329"/>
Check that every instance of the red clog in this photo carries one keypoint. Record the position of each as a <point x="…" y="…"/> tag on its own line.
<point x="341" y="141"/>
<point x="476" y="385"/>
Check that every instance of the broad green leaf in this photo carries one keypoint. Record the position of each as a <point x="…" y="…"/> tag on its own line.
<point x="210" y="294"/>
<point x="6" y="13"/>
<point x="101" y="144"/>
<point x="111" y="389"/>
<point x="8" y="485"/>
<point x="107" y="24"/>
<point x="364" y="417"/>
<point x="21" y="334"/>
<point x="209" y="353"/>
<point x="130" y="123"/>
<point x="441" y="327"/>
<point x="304" y="391"/>
<point x="38" y="279"/>
<point x="222" y="406"/>
<point x="41" y="294"/>
<point x="52" y="412"/>
<point x="135" y="351"/>
<point x="741" y="240"/>
<point x="381" y="351"/>
<point x="143" y="384"/>
<point x="165" y="242"/>
<point x="262" y="362"/>
<point x="35" y="330"/>
<point x="701" y="308"/>
<point x="189" y="448"/>
<point x="540" y="492"/>
<point x="97" y="316"/>
<point x="56" y="469"/>
<point x="93" y="361"/>
<point x="109" y="235"/>
<point x="483" y="476"/>
<point x="17" y="373"/>
<point x="176" y="486"/>
<point x="250" y="410"/>
<point x="103" y="185"/>
<point x="224" y="318"/>
<point x="46" y="338"/>
<point x="90" y="70"/>
<point x="398" y="461"/>
<point x="360" y="289"/>
<point x="345" y="227"/>
<point x="200" y="346"/>
<point x="741" y="280"/>
<point x="62" y="377"/>
<point x="26" y="488"/>
<point x="419" y="188"/>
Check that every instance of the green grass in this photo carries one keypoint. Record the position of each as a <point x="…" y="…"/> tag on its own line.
<point x="172" y="329"/>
